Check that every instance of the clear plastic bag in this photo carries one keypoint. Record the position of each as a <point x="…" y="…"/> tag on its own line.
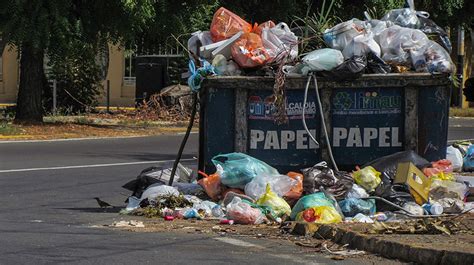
<point x="159" y="190"/>
<point x="357" y="192"/>
<point x="342" y="34"/>
<point x="278" y="205"/>
<point x="280" y="184"/>
<point x="405" y="17"/>
<point x="280" y="42"/>
<point x="437" y="58"/>
<point x="447" y="189"/>
<point x="243" y="213"/>
<point x="361" y="45"/>
<point x="239" y="169"/>
<point x="323" y="59"/>
<point x="368" y="178"/>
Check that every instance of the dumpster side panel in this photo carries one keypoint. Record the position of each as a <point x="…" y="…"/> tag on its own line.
<point x="285" y="146"/>
<point x="218" y="130"/>
<point x="433" y="117"/>
<point x="367" y="123"/>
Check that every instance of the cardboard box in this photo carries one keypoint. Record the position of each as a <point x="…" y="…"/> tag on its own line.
<point x="417" y="181"/>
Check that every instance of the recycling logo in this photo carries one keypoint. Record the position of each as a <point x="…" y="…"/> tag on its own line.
<point x="342" y="100"/>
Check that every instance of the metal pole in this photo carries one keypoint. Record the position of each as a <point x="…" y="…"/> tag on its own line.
<point x="108" y="96"/>
<point x="55" y="92"/>
<point x="460" y="66"/>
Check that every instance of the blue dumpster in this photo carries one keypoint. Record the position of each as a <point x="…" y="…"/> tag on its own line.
<point x="366" y="118"/>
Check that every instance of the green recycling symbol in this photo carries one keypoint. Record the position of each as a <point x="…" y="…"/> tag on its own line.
<point x="342" y="100"/>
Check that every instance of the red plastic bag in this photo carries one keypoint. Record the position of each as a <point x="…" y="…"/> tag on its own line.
<point x="212" y="185"/>
<point x="248" y="51"/>
<point x="226" y="24"/>
<point x="296" y="191"/>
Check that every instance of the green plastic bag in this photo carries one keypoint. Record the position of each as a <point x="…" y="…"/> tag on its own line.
<point x="279" y="206"/>
<point x="368" y="178"/>
<point x="309" y="201"/>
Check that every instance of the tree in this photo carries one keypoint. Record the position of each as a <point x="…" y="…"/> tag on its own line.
<point x="38" y="27"/>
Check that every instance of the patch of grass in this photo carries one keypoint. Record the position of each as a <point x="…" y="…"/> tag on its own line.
<point x="8" y="129"/>
<point x="456" y="112"/>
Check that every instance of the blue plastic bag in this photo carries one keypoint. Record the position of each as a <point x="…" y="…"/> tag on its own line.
<point x="198" y="75"/>
<point x="468" y="163"/>
<point x="239" y="169"/>
<point x="352" y="206"/>
<point x="308" y="201"/>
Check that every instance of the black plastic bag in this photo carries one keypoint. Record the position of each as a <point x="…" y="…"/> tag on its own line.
<point x="430" y="28"/>
<point x="396" y="193"/>
<point x="350" y="69"/>
<point x="337" y="184"/>
<point x="375" y="65"/>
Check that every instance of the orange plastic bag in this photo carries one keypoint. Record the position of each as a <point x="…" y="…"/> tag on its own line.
<point x="212" y="185"/>
<point x="296" y="191"/>
<point x="257" y="29"/>
<point x="226" y="24"/>
<point x="248" y="51"/>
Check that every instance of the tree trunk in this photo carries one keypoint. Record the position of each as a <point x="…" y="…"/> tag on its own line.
<point x="29" y="106"/>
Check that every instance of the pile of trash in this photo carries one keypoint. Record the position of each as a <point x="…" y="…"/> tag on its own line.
<point x="398" y="42"/>
<point x="245" y="190"/>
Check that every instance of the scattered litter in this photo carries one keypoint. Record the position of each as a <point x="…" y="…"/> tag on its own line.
<point x="131" y="223"/>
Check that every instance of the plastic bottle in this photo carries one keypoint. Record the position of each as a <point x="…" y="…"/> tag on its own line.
<point x="433" y="208"/>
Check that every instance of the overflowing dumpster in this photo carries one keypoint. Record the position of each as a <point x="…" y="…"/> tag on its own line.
<point x="366" y="118"/>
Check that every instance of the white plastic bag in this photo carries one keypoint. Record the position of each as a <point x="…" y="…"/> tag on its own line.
<point x="396" y="44"/>
<point x="159" y="190"/>
<point x="323" y="59"/>
<point x="357" y="192"/>
<point x="341" y="35"/>
<point x="405" y="17"/>
<point x="361" y="45"/>
<point x="203" y="36"/>
<point x="280" y="184"/>
<point x="280" y="42"/>
<point x="454" y="155"/>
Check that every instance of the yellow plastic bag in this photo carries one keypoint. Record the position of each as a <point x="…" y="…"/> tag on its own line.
<point x="279" y="206"/>
<point x="319" y="215"/>
<point x="368" y="178"/>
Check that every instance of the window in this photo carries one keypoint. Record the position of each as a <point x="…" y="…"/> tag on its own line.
<point x="129" y="77"/>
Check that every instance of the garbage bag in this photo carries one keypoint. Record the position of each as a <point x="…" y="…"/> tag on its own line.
<point x="319" y="215"/>
<point x="296" y="191"/>
<point x="468" y="162"/>
<point x="280" y="42"/>
<point x="249" y="52"/>
<point x="430" y="28"/>
<point x="323" y="59"/>
<point x="375" y="65"/>
<point x="190" y="189"/>
<point x="226" y="24"/>
<point x="342" y="34"/>
<point x="278" y="205"/>
<point x="350" y="69"/>
<point x="357" y="192"/>
<point x="441" y="169"/>
<point x="206" y="207"/>
<point x="437" y="58"/>
<point x="243" y="213"/>
<point x="414" y="208"/>
<point x="352" y="206"/>
<point x="258" y="28"/>
<point x="455" y="156"/>
<point x="387" y="165"/>
<point x="396" y="193"/>
<point x="361" y="45"/>
<point x="405" y="17"/>
<point x="320" y="175"/>
<point x="239" y="169"/>
<point x="158" y="190"/>
<point x="308" y="201"/>
<point x="398" y="44"/>
<point x="198" y="75"/>
<point x="447" y="189"/>
<point x="451" y="205"/>
<point x="367" y="177"/>
<point x="198" y="39"/>
<point x="280" y="184"/>
<point x="212" y="185"/>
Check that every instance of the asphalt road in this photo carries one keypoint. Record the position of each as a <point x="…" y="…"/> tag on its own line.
<point x="48" y="216"/>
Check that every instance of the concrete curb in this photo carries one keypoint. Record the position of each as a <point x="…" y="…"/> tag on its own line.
<point x="385" y="248"/>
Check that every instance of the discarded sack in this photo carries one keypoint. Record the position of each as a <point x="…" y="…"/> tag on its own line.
<point x="239" y="169"/>
<point x="308" y="201"/>
<point x="323" y="59"/>
<point x="342" y="34"/>
<point x="280" y="42"/>
<point x="159" y="190"/>
<point x="468" y="163"/>
<point x="320" y="215"/>
<point x="280" y="184"/>
<point x="320" y="175"/>
<point x="212" y="185"/>
<point x="350" y="69"/>
<point x="351" y="206"/>
<point x="362" y="45"/>
<point x="249" y="52"/>
<point x="226" y="24"/>
<point x="455" y="156"/>
<point x="243" y="213"/>
<point x="368" y="178"/>
<point x="296" y="191"/>
<point x="278" y="205"/>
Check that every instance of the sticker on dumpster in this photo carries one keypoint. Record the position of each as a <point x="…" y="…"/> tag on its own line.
<point x="366" y="123"/>
<point x="264" y="109"/>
